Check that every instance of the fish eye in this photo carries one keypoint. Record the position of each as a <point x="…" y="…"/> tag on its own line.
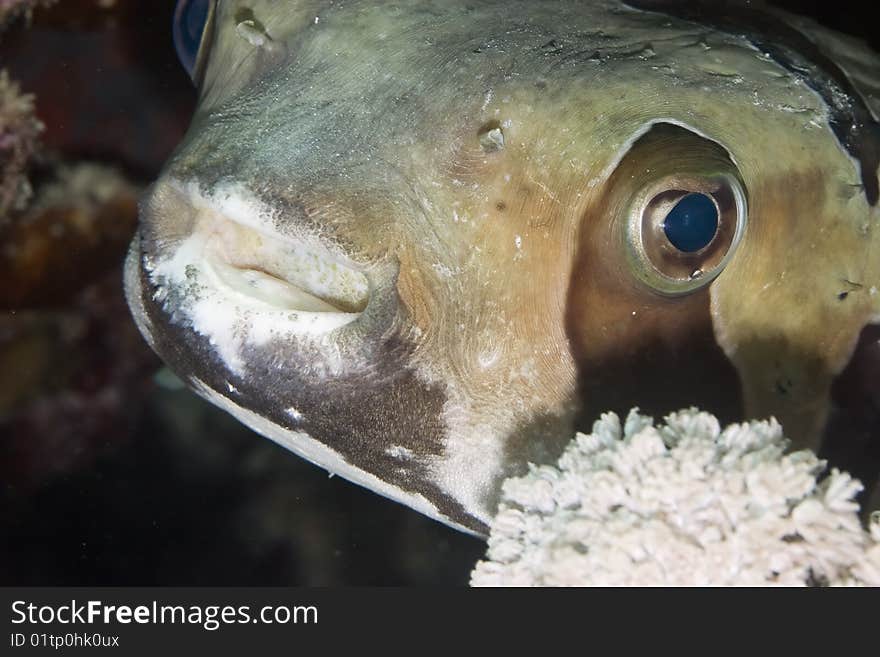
<point x="686" y="230"/>
<point x="692" y="223"/>
<point x="190" y="21"/>
<point x="683" y="208"/>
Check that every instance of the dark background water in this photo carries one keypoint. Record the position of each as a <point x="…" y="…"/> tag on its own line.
<point x="114" y="475"/>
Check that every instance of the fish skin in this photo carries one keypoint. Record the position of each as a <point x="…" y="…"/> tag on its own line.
<point x="851" y="117"/>
<point x="502" y="316"/>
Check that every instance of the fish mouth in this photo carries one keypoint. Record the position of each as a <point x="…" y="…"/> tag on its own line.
<point x="284" y="273"/>
<point x="226" y="244"/>
<point x="241" y="273"/>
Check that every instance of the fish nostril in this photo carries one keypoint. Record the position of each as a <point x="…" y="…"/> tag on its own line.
<point x="491" y="137"/>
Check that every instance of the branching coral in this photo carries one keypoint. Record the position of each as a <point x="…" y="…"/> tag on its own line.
<point x="683" y="503"/>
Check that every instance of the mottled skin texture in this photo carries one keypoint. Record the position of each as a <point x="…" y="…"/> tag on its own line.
<point x="502" y="311"/>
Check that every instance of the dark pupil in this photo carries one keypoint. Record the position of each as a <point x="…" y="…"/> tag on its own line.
<point x="189" y="23"/>
<point x="692" y="223"/>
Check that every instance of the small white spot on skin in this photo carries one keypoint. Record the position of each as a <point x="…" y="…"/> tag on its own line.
<point x="487" y="100"/>
<point x="316" y="20"/>
<point x="442" y="270"/>
<point x="518" y="242"/>
<point x="528" y="370"/>
<point x="487" y="360"/>
<point x="294" y="413"/>
<point x="400" y="452"/>
<point x="231" y="388"/>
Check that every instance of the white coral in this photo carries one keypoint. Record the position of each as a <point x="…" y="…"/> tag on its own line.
<point x="684" y="503"/>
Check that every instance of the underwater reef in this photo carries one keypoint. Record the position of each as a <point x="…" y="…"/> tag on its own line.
<point x="113" y="473"/>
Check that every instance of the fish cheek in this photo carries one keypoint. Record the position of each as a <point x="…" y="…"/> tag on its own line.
<point x="385" y="421"/>
<point x="634" y="347"/>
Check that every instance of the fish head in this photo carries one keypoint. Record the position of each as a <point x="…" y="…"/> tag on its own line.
<point x="419" y="245"/>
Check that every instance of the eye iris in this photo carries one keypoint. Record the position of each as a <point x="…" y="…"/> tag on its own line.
<point x="190" y="17"/>
<point x="692" y="223"/>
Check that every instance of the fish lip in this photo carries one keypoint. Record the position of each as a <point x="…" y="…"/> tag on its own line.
<point x="233" y="238"/>
<point x="215" y="263"/>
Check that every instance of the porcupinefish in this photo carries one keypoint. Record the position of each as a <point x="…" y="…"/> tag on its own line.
<point x="420" y="243"/>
